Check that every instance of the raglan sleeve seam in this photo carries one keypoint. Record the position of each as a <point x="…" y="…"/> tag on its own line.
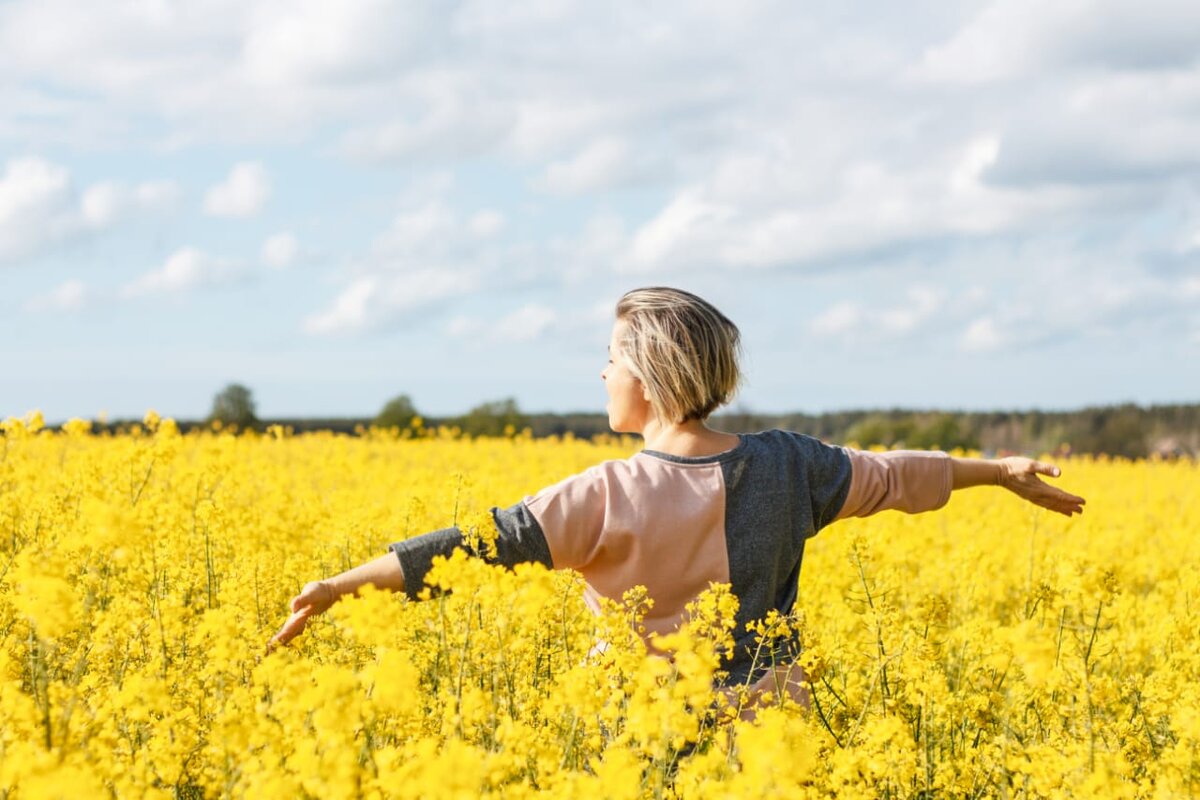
<point x="571" y="516"/>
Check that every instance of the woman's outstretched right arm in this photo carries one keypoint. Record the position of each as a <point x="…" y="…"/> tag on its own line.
<point x="316" y="597"/>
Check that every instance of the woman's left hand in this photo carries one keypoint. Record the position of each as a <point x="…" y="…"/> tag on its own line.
<point x="1020" y="476"/>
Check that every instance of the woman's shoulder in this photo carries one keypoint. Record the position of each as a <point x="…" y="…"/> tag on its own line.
<point x="591" y="480"/>
<point x="800" y="450"/>
<point x="778" y="437"/>
<point x="587" y="498"/>
<point x="629" y="478"/>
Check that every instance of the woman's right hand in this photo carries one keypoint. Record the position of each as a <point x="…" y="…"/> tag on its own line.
<point x="315" y="598"/>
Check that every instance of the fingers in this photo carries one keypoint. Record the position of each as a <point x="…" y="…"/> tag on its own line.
<point x="1027" y="484"/>
<point x="305" y="598"/>
<point x="1018" y="470"/>
<point x="315" y="598"/>
<point x="290" y="629"/>
<point x="1062" y="502"/>
<point x="1066" y="509"/>
<point x="1043" y="468"/>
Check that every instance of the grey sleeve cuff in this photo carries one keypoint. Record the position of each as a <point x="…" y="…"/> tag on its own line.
<point x="416" y="555"/>
<point x="519" y="539"/>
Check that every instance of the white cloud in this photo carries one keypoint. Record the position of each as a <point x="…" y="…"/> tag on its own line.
<point x="838" y="319"/>
<point x="488" y="222"/>
<point x="103" y="204"/>
<point x="922" y="304"/>
<point x="851" y="321"/>
<point x="602" y="311"/>
<point x="548" y="124"/>
<point x="682" y="231"/>
<point x="312" y="41"/>
<point x="977" y="156"/>
<point x="1007" y="38"/>
<point x="40" y="208"/>
<point x="35" y="206"/>
<point x="1013" y="38"/>
<point x="419" y="230"/>
<point x="376" y="300"/>
<point x="603" y="237"/>
<point x="245" y="71"/>
<point x="71" y="295"/>
<point x="1058" y="300"/>
<point x="156" y="194"/>
<point x="428" y="254"/>
<point x="242" y="194"/>
<point x="1076" y="132"/>
<point x="349" y="311"/>
<point x="461" y="326"/>
<point x="184" y="270"/>
<point x="454" y="114"/>
<point x="982" y="336"/>
<point x="595" y="250"/>
<point x="599" y="166"/>
<point x="869" y="206"/>
<point x="280" y="250"/>
<point x="1189" y="241"/>
<point x="453" y="79"/>
<point x="525" y="324"/>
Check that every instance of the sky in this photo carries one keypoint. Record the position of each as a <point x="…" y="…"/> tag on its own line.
<point x="973" y="205"/>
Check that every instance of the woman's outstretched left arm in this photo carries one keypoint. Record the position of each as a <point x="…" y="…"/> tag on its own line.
<point x="922" y="480"/>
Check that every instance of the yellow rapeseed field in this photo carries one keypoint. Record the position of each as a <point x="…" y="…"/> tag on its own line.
<point x="991" y="649"/>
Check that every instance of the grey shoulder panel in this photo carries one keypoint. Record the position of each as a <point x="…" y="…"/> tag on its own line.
<point x="781" y="492"/>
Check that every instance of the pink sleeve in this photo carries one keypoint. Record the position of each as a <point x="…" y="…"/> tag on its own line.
<point x="571" y="515"/>
<point x="905" y="480"/>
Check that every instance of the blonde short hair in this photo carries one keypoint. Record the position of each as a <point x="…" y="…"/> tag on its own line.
<point x="683" y="350"/>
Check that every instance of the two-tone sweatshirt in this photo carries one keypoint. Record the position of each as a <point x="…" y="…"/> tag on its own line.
<point x="677" y="524"/>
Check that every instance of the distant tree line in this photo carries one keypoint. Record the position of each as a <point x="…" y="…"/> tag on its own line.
<point x="1125" y="430"/>
<point x="234" y="406"/>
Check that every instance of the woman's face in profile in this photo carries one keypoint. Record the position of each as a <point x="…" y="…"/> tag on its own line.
<point x="628" y="404"/>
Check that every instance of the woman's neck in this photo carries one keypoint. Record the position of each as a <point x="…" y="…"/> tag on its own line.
<point x="687" y="439"/>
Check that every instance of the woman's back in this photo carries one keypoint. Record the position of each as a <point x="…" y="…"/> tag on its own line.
<point x="676" y="524"/>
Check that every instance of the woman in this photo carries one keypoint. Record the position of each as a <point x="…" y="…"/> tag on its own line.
<point x="696" y="505"/>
